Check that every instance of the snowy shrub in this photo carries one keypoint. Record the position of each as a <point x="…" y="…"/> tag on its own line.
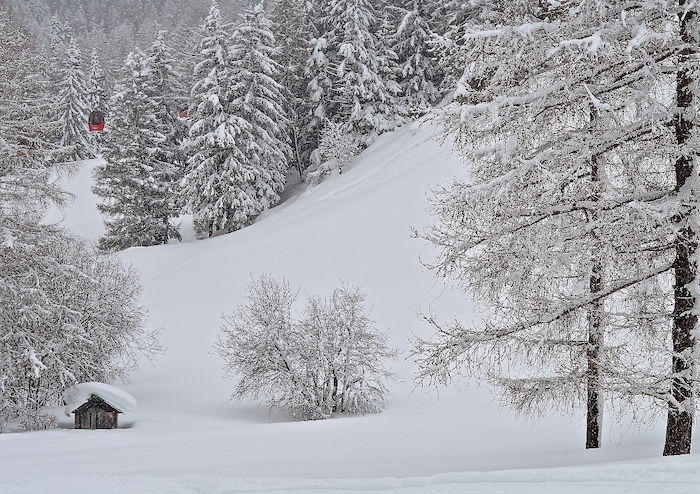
<point x="336" y="150"/>
<point x="68" y="315"/>
<point x="328" y="360"/>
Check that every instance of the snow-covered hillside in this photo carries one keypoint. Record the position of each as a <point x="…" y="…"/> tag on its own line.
<point x="186" y="436"/>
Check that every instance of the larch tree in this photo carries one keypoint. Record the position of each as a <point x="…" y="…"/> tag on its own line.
<point x="76" y="140"/>
<point x="576" y="224"/>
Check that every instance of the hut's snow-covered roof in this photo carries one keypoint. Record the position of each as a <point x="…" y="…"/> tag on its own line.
<point x="117" y="398"/>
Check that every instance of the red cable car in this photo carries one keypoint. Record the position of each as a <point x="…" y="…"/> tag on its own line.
<point x="184" y="113"/>
<point x="96" y="122"/>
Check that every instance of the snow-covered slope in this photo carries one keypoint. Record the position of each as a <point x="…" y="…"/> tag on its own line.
<point x="187" y="437"/>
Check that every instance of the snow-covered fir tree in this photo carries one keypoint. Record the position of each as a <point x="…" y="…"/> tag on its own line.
<point x="166" y="98"/>
<point x="217" y="184"/>
<point x="134" y="183"/>
<point x="97" y="91"/>
<point x="578" y="221"/>
<point x="259" y="101"/>
<point x="238" y="141"/>
<point x="363" y="92"/>
<point x="293" y="27"/>
<point x="413" y="43"/>
<point x="29" y="125"/>
<point x="76" y="140"/>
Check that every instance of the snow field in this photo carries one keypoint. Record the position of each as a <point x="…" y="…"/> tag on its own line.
<point x="186" y="437"/>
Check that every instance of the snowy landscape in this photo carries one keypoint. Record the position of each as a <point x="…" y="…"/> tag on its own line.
<point x="458" y="278"/>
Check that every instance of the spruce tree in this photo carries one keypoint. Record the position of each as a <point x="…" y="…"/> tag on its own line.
<point x="259" y="101"/>
<point x="419" y="72"/>
<point x="97" y="92"/>
<point x="167" y="131"/>
<point x="364" y="94"/>
<point x="293" y="27"/>
<point x="135" y="187"/>
<point x="76" y="140"/>
<point x="217" y="187"/>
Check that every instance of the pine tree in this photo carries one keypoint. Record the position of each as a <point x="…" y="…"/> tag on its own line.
<point x="76" y="140"/>
<point x="419" y="72"/>
<point x="218" y="188"/>
<point x="135" y="186"/>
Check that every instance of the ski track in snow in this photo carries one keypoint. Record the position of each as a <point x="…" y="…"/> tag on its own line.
<point x="187" y="437"/>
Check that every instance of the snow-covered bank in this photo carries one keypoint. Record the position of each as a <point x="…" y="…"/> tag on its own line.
<point x="187" y="437"/>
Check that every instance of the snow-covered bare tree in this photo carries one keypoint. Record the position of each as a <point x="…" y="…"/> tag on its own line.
<point x="577" y="219"/>
<point x="329" y="360"/>
<point x="76" y="140"/>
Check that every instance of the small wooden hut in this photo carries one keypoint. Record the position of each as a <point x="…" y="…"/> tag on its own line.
<point x="97" y="405"/>
<point x="96" y="414"/>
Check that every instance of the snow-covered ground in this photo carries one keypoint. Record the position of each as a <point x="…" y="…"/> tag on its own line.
<point x="187" y="437"/>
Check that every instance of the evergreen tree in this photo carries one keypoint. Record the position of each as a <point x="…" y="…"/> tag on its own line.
<point x="97" y="92"/>
<point x="293" y="27"/>
<point x="135" y="186"/>
<point x="218" y="188"/>
<point x="364" y="94"/>
<point x="76" y="140"/>
<point x="29" y="126"/>
<point x="167" y="131"/>
<point x="258" y="99"/>
<point x="419" y="71"/>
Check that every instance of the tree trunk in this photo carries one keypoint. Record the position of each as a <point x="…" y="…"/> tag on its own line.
<point x="594" y="402"/>
<point x="679" y="426"/>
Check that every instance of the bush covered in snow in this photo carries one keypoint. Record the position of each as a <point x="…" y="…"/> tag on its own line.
<point x="336" y="150"/>
<point x="328" y="360"/>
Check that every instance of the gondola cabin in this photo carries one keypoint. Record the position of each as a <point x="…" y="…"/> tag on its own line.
<point x="184" y="114"/>
<point x="97" y="405"/>
<point x="96" y="121"/>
